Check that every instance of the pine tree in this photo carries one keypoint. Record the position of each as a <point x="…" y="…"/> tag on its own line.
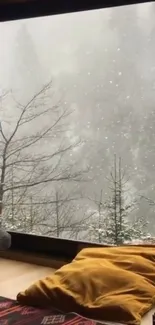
<point x="115" y="227"/>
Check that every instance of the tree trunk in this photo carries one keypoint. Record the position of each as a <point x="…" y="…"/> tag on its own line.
<point x="2" y="179"/>
<point x="115" y="200"/>
<point x="31" y="214"/>
<point x="99" y="221"/>
<point x="57" y="214"/>
<point x="12" y="200"/>
<point x="120" y="196"/>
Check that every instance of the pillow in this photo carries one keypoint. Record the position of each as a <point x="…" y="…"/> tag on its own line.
<point x="109" y="284"/>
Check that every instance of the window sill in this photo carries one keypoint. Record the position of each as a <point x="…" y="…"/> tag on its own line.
<point x="45" y="251"/>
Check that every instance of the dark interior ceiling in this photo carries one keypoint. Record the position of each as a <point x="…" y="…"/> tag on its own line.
<point x="17" y="9"/>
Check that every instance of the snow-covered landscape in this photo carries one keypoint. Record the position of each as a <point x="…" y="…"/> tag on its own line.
<point x="77" y="125"/>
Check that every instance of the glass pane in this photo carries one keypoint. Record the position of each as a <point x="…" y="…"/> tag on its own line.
<point x="77" y="125"/>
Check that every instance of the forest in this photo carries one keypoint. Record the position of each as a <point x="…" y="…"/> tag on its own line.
<point x="77" y="121"/>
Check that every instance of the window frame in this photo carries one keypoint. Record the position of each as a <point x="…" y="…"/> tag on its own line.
<point x="21" y="9"/>
<point x="51" y="247"/>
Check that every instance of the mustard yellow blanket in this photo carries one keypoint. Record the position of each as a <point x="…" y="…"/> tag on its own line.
<point x="114" y="284"/>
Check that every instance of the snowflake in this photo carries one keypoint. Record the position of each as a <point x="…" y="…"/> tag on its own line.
<point x="126" y="135"/>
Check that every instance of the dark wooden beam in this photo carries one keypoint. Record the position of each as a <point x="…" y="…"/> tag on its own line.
<point x="55" y="248"/>
<point x="18" y="9"/>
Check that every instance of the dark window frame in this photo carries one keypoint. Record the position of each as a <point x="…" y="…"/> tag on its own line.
<point x="20" y="9"/>
<point x="51" y="247"/>
<point x="13" y="10"/>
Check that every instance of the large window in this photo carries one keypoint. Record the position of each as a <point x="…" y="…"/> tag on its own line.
<point x="77" y="121"/>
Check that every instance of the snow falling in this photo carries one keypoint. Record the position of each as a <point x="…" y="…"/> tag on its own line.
<point x="89" y="134"/>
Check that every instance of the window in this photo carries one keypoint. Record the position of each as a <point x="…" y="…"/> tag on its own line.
<point x="77" y="123"/>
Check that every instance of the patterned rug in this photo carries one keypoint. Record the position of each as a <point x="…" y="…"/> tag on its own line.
<point x="12" y="313"/>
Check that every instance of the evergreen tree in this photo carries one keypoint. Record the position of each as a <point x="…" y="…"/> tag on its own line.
<point x="114" y="226"/>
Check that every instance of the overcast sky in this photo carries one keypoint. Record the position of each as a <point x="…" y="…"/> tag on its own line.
<point x="102" y="64"/>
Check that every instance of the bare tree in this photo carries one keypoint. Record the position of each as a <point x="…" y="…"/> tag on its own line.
<point x="64" y="214"/>
<point x="150" y="201"/>
<point x="35" y="150"/>
<point x="97" y="214"/>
